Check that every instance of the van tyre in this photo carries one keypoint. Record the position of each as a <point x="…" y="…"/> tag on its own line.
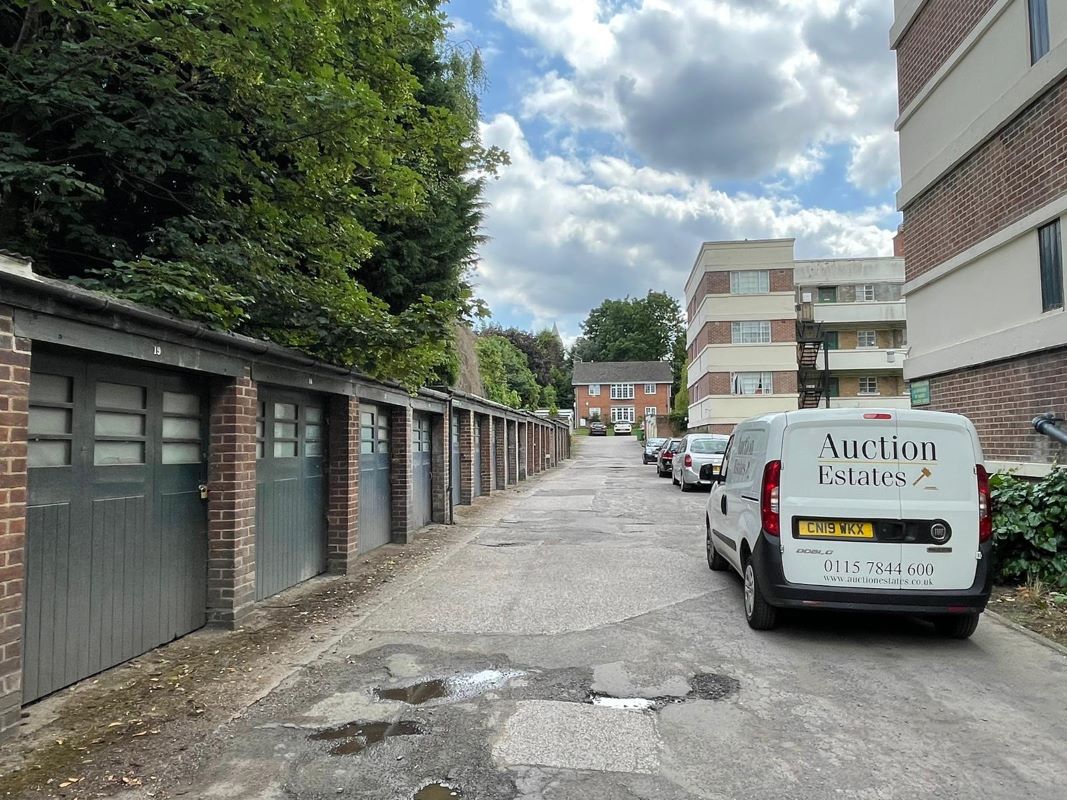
<point x="716" y="563"/>
<point x="956" y="626"/>
<point x="761" y="615"/>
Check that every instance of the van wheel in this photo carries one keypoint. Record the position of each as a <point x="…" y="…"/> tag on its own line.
<point x="761" y="615"/>
<point x="956" y="626"/>
<point x="716" y="563"/>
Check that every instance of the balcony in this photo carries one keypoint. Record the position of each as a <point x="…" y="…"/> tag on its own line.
<point x="863" y="360"/>
<point x="887" y="311"/>
<point x="731" y="409"/>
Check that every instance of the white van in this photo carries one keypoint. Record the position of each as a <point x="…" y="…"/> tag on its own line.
<point x="863" y="509"/>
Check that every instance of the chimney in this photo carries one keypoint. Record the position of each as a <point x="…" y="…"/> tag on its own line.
<point x="898" y="242"/>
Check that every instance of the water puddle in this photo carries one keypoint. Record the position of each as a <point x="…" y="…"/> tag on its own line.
<point x="454" y="688"/>
<point x="355" y="737"/>
<point x="702" y="686"/>
<point x="437" y="791"/>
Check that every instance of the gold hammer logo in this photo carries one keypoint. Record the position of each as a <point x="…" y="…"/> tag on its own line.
<point x="924" y="474"/>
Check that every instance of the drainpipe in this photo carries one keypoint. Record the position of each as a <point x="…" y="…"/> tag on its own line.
<point x="1046" y="424"/>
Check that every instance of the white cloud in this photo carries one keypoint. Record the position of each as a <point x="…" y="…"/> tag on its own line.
<point x="875" y="163"/>
<point x="567" y="233"/>
<point x="719" y="88"/>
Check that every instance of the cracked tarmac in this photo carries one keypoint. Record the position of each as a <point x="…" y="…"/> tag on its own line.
<point x="594" y="584"/>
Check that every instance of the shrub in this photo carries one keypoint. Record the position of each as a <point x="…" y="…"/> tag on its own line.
<point x="1030" y="528"/>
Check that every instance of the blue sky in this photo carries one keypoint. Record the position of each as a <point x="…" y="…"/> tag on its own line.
<point x="639" y="128"/>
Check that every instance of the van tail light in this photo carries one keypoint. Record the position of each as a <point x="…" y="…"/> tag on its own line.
<point x="688" y="460"/>
<point x="985" y="506"/>
<point x="769" y="498"/>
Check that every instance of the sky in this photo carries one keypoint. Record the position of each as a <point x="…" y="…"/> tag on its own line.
<point x="638" y="129"/>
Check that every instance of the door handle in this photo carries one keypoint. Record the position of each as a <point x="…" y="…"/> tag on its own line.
<point x="203" y="491"/>
<point x="722" y="504"/>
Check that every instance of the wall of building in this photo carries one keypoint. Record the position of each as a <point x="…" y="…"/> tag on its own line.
<point x="584" y="401"/>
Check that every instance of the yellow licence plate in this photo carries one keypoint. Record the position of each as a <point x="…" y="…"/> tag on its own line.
<point x="836" y="529"/>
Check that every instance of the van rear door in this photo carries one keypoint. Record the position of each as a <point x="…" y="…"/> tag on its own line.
<point x="840" y="499"/>
<point x="939" y="498"/>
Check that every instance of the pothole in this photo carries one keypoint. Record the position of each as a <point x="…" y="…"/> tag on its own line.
<point x="355" y="737"/>
<point x="437" y="791"/>
<point x="450" y="689"/>
<point x="504" y="544"/>
<point x="703" y="686"/>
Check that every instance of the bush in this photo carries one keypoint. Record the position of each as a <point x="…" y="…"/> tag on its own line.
<point x="1030" y="528"/>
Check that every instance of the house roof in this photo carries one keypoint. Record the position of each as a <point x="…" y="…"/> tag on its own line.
<point x="586" y="372"/>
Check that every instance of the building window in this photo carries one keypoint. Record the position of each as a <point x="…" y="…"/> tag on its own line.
<point x="594" y="413"/>
<point x="834" y="388"/>
<point x="622" y="391"/>
<point x="750" y="332"/>
<point x="623" y="414"/>
<point x="753" y="281"/>
<point x="865" y="293"/>
<point x="650" y="388"/>
<point x="1049" y="243"/>
<point x="869" y="386"/>
<point x="1039" y="37"/>
<point x="866" y="339"/>
<point x="830" y="341"/>
<point x="650" y="411"/>
<point x="594" y="390"/>
<point x="827" y="294"/>
<point x="751" y="383"/>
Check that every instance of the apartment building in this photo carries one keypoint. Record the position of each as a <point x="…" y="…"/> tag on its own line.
<point x="747" y="302"/>
<point x="983" y="134"/>
<point x="621" y="391"/>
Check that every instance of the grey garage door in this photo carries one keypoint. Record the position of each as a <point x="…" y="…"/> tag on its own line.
<point x="290" y="490"/>
<point x="116" y="543"/>
<point x="477" y="459"/>
<point x="421" y="467"/>
<point x="455" y="467"/>
<point x="375" y="519"/>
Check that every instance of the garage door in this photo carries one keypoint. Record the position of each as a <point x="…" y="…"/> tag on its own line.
<point x="290" y="490"/>
<point x="116" y="537"/>
<point x="477" y="459"/>
<point x="455" y="467"/>
<point x="375" y="519"/>
<point x="421" y="466"/>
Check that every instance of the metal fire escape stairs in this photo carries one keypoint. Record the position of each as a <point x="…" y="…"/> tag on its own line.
<point x="812" y="381"/>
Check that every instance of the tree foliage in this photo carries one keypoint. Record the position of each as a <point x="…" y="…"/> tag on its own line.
<point x="505" y="373"/>
<point x="296" y="171"/>
<point x="545" y="358"/>
<point x="634" y="329"/>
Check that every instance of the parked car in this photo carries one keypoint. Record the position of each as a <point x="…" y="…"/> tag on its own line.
<point x="623" y="429"/>
<point x="598" y="429"/>
<point x="651" y="451"/>
<point x="698" y="459"/>
<point x="863" y="509"/>
<point x="666" y="457"/>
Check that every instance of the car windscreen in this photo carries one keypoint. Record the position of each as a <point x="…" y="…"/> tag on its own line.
<point x="656" y="442"/>
<point x="708" y="446"/>
<point x="675" y="446"/>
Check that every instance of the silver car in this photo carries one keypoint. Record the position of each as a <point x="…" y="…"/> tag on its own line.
<point x="698" y="458"/>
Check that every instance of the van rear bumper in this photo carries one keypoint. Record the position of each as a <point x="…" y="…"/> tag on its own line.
<point x="783" y="594"/>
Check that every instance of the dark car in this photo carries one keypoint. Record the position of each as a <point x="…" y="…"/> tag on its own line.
<point x="651" y="452"/>
<point x="665" y="462"/>
<point x="598" y="429"/>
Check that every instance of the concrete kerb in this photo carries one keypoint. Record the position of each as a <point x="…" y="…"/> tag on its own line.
<point x="1037" y="637"/>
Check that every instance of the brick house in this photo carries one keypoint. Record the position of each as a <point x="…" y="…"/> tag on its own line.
<point x="983" y="129"/>
<point x="621" y="391"/>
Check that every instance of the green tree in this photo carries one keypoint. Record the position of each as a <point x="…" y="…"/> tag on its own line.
<point x="505" y="374"/>
<point x="255" y="166"/>
<point x="638" y="329"/>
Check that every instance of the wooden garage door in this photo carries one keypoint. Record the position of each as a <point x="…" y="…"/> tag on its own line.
<point x="116" y="543"/>
<point x="290" y="489"/>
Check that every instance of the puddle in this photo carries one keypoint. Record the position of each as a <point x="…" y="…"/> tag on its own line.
<point x="702" y="686"/>
<point x="355" y="737"/>
<point x="452" y="689"/>
<point x="628" y="703"/>
<point x="437" y="791"/>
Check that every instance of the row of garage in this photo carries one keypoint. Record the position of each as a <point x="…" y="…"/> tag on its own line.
<point x="133" y="527"/>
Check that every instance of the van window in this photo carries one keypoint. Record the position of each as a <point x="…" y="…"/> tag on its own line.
<point x="726" y="458"/>
<point x="708" y="446"/>
<point x="746" y="456"/>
